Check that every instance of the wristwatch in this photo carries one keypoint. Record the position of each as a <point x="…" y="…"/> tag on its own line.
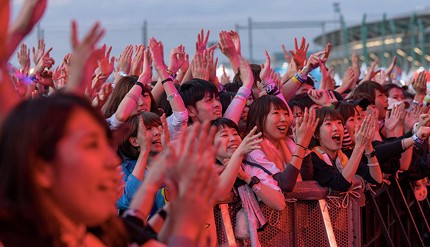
<point x="372" y="154"/>
<point x="254" y="180"/>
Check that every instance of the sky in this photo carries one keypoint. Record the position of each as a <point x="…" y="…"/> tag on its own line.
<point x="178" y="22"/>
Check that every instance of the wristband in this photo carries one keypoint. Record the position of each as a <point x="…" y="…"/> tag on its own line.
<point x="166" y="80"/>
<point x="373" y="164"/>
<point x="417" y="139"/>
<point x="172" y="96"/>
<point x="122" y="73"/>
<point x="417" y="103"/>
<point x="140" y="85"/>
<point x="294" y="78"/>
<point x="272" y="90"/>
<point x="171" y="74"/>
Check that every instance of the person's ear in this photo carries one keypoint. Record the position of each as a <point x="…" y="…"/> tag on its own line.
<point x="44" y="174"/>
<point x="192" y="111"/>
<point x="133" y="141"/>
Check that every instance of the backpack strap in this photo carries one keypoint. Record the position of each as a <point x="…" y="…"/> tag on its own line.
<point x="257" y="165"/>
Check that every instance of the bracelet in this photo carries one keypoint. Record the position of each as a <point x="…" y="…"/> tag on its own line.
<point x="295" y="155"/>
<point x="34" y="78"/>
<point x="417" y="103"/>
<point x="171" y="74"/>
<point x="172" y="96"/>
<point x="373" y="164"/>
<point x="403" y="144"/>
<point x="140" y="85"/>
<point x="130" y="95"/>
<point x="300" y="79"/>
<point x="294" y="78"/>
<point x="122" y="73"/>
<point x="166" y="80"/>
<point x="417" y="139"/>
<point x="305" y="148"/>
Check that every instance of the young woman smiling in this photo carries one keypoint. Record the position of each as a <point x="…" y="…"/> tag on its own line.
<point x="279" y="154"/>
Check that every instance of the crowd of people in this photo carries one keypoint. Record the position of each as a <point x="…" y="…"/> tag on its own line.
<point x="98" y="150"/>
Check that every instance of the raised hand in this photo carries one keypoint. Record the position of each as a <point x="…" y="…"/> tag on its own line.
<point x="371" y="71"/>
<point x="103" y="95"/>
<point x="106" y="63"/>
<point x="391" y="67"/>
<point x="177" y="58"/>
<point x="411" y="118"/>
<point x="124" y="60"/>
<point x="37" y="54"/>
<point x="144" y="137"/>
<point x="423" y="132"/>
<point x="424" y="120"/>
<point x="29" y="15"/>
<point x="199" y="67"/>
<point x="224" y="77"/>
<point x="305" y="127"/>
<point x="146" y="74"/>
<point x="236" y="41"/>
<point x="85" y="56"/>
<point x="392" y="119"/>
<point x="46" y="61"/>
<point x="157" y="54"/>
<point x="419" y="84"/>
<point x="202" y="41"/>
<point x="137" y="61"/>
<point x="327" y="80"/>
<point x="24" y="58"/>
<point x="322" y="97"/>
<point x="265" y="70"/>
<point x="299" y="54"/>
<point x="355" y="65"/>
<point x="381" y="77"/>
<point x="349" y="80"/>
<point x="250" y="143"/>
<point x="365" y="134"/>
<point x="327" y="50"/>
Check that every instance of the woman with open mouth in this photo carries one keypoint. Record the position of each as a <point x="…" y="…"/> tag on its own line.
<point x="279" y="154"/>
<point x="332" y="168"/>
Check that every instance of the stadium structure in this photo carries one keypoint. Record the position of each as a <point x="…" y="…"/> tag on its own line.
<point x="406" y="37"/>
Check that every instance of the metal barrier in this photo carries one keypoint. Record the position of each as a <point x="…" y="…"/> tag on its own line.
<point x="392" y="217"/>
<point x="308" y="220"/>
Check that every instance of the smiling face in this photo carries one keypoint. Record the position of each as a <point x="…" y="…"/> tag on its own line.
<point x="276" y="124"/>
<point x="207" y="109"/>
<point x="228" y="140"/>
<point x="330" y="135"/>
<point x="85" y="179"/>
